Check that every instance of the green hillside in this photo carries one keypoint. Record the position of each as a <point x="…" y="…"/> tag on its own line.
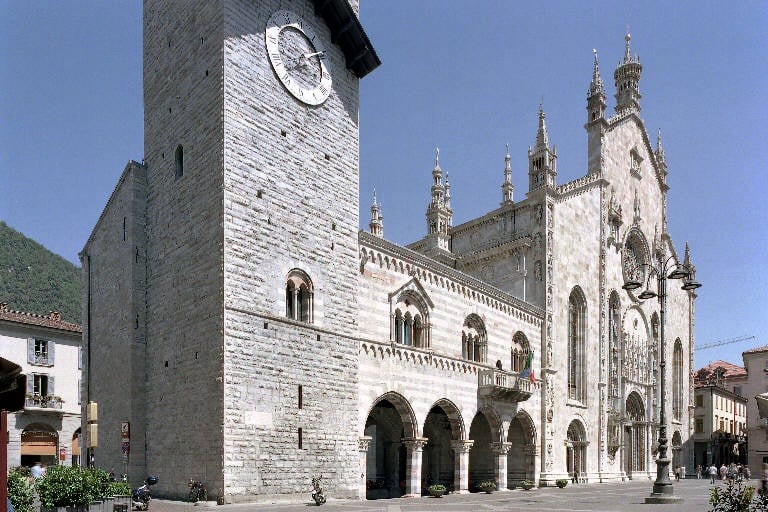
<point x="34" y="280"/>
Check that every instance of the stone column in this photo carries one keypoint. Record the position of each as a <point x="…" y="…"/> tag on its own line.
<point x="501" y="450"/>
<point x="461" y="466"/>
<point x="363" y="448"/>
<point x="414" y="445"/>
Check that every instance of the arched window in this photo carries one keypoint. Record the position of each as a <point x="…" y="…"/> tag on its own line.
<point x="520" y="351"/>
<point x="410" y="319"/>
<point x="408" y="329"/>
<point x="577" y="331"/>
<point x="179" y="161"/>
<point x="677" y="380"/>
<point x="614" y="349"/>
<point x="474" y="341"/>
<point x="299" y="297"/>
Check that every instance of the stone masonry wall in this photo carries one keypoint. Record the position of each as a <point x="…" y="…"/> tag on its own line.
<point x="113" y="333"/>
<point x="183" y="68"/>
<point x="290" y="202"/>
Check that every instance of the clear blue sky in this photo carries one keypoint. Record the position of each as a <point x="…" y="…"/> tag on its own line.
<point x="466" y="76"/>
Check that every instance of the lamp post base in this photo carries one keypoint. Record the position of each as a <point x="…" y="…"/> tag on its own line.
<point x="662" y="499"/>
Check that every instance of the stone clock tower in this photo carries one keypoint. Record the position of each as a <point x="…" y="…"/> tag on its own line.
<point x="240" y="233"/>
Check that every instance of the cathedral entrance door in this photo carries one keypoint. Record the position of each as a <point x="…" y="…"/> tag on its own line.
<point x="628" y="455"/>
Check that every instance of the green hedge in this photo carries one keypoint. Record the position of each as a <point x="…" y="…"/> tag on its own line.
<point x="21" y="491"/>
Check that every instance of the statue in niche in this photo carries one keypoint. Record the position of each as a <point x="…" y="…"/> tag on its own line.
<point x="537" y="270"/>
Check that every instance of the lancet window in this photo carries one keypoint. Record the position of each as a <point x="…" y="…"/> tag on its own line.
<point x="614" y="349"/>
<point x="677" y="380"/>
<point x="577" y="332"/>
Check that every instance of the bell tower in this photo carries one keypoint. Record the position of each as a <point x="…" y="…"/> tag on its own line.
<point x="251" y="150"/>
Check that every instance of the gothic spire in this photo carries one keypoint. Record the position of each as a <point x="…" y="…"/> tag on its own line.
<point x="596" y="86"/>
<point x="437" y="181"/>
<point x="507" y="189"/>
<point x="377" y="221"/>
<point x="542" y="138"/>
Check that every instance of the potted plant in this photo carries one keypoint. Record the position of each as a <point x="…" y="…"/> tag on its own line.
<point x="436" y="490"/>
<point x="561" y="482"/>
<point x="66" y="486"/>
<point x="527" y="485"/>
<point x="488" y="486"/>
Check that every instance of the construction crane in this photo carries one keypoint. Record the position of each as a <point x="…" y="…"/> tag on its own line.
<point x="724" y="342"/>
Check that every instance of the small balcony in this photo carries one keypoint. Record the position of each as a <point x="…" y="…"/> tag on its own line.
<point x="42" y="403"/>
<point x="504" y="386"/>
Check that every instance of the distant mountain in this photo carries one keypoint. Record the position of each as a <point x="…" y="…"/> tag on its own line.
<point x="35" y="280"/>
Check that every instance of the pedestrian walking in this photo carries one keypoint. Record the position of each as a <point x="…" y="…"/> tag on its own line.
<point x="677" y="474"/>
<point x="698" y="472"/>
<point x="747" y="473"/>
<point x="712" y="472"/>
<point x="37" y="470"/>
<point x="723" y="471"/>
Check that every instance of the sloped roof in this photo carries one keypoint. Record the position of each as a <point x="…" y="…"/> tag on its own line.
<point x="731" y="370"/>
<point x="764" y="348"/>
<point x="53" y="320"/>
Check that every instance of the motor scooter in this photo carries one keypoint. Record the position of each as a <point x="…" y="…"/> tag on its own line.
<point x="141" y="497"/>
<point x="317" y="493"/>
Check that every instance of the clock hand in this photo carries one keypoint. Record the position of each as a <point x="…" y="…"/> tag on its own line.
<point x="321" y="54"/>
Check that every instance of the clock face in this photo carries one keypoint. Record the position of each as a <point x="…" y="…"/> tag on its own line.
<point x="298" y="57"/>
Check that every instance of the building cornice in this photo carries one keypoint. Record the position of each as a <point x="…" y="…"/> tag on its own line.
<point x="376" y="243"/>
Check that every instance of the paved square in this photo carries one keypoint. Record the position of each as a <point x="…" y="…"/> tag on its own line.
<point x="623" y="497"/>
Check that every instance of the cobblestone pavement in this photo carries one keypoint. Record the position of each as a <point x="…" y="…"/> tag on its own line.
<point x="609" y="497"/>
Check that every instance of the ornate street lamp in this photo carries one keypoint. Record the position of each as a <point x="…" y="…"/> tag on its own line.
<point x="669" y="269"/>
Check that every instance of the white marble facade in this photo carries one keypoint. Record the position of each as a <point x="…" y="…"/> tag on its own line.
<point x="501" y="349"/>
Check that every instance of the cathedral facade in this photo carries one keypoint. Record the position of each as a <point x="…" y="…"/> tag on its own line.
<point x="262" y="339"/>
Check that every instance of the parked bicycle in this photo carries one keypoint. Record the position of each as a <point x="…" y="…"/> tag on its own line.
<point x="197" y="491"/>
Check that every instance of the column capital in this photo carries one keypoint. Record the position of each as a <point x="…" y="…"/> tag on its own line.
<point x="414" y="444"/>
<point x="462" y="445"/>
<point x="501" y="448"/>
<point x="363" y="443"/>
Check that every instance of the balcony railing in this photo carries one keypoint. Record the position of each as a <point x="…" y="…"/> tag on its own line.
<point x="41" y="359"/>
<point x="42" y="402"/>
<point x="504" y="386"/>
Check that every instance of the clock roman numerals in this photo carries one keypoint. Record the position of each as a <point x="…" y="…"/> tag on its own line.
<point x="298" y="57"/>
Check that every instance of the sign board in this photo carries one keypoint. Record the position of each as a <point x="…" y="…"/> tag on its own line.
<point x="125" y="447"/>
<point x="125" y="431"/>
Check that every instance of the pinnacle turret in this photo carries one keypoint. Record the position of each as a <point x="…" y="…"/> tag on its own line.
<point x="507" y="189"/>
<point x="627" y="79"/>
<point x="596" y="104"/>
<point x="439" y="213"/>
<point x="377" y="221"/>
<point x="542" y="137"/>
<point x="542" y="158"/>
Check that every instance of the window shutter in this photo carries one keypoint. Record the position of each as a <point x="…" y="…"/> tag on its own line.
<point x="51" y="352"/>
<point x="31" y="382"/>
<point x="79" y="358"/>
<point x="50" y="386"/>
<point x="31" y="350"/>
<point x="79" y="383"/>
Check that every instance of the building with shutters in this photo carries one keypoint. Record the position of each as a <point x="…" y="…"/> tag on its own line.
<point x="48" y="350"/>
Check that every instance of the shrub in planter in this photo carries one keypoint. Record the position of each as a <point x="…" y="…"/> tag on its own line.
<point x="436" y="490"/>
<point x="20" y="491"/>
<point x="488" y="486"/>
<point x="527" y="484"/>
<point x="67" y="486"/>
<point x="119" y="489"/>
<point x="562" y="482"/>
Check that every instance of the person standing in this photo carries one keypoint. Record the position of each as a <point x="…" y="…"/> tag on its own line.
<point x="37" y="470"/>
<point x="712" y="472"/>
<point x="698" y="472"/>
<point x="747" y="473"/>
<point x="723" y="471"/>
